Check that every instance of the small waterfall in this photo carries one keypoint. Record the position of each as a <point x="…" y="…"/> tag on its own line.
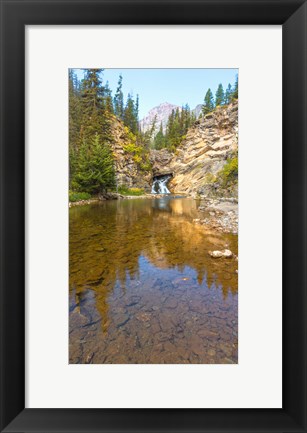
<point x="159" y="184"/>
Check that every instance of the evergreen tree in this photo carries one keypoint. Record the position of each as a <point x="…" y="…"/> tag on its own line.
<point x="159" y="141"/>
<point x="186" y="119"/>
<point x="92" y="104"/>
<point x="108" y="99"/>
<point x="74" y="110"/>
<point x="219" y="96"/>
<point x="228" y="94"/>
<point x="95" y="171"/>
<point x="235" y="93"/>
<point x="192" y="118"/>
<point x="74" y="122"/>
<point x="130" y="119"/>
<point x="119" y="99"/>
<point x="146" y="138"/>
<point x="90" y="157"/>
<point x="208" y="105"/>
<point x="136" y="108"/>
<point x="174" y="129"/>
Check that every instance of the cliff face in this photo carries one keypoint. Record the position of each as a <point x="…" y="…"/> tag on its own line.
<point x="161" y="161"/>
<point x="127" y="167"/>
<point x="196" y="164"/>
<point x="204" y="152"/>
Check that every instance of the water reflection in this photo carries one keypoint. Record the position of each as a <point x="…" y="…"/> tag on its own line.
<point x="141" y="279"/>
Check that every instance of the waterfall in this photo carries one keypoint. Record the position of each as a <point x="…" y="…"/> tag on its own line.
<point x="159" y="184"/>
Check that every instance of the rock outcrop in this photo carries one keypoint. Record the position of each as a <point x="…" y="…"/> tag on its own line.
<point x="161" y="162"/>
<point x="128" y="171"/>
<point x="204" y="152"/>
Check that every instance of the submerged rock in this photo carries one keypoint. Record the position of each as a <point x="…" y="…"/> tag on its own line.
<point x="218" y="254"/>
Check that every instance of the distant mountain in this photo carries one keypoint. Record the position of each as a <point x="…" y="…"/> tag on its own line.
<point x="197" y="110"/>
<point x="162" y="112"/>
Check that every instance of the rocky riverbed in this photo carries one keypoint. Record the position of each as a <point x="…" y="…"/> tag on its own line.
<point x="219" y="214"/>
<point x="145" y="287"/>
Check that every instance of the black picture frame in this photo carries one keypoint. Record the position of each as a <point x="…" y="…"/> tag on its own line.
<point x="15" y="15"/>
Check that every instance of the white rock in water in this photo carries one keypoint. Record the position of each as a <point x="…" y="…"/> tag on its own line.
<point x="216" y="254"/>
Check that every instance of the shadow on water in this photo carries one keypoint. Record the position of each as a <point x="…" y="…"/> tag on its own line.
<point x="143" y="288"/>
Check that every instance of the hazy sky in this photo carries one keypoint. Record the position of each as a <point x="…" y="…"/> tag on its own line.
<point x="176" y="86"/>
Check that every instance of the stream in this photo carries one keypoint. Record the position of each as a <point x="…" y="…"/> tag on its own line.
<point x="144" y="289"/>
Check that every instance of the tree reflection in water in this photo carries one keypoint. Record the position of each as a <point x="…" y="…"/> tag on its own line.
<point x="143" y="288"/>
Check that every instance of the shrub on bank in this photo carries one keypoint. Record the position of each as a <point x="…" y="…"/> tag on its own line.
<point x="130" y="191"/>
<point x="78" y="196"/>
<point x="229" y="173"/>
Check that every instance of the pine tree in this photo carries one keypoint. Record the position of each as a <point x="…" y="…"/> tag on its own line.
<point x="119" y="99"/>
<point x="219" y="96"/>
<point x="95" y="170"/>
<point x="174" y="130"/>
<point x="74" y="110"/>
<point x="75" y="115"/>
<point x="108" y="99"/>
<point x="208" y="105"/>
<point x="91" y="159"/>
<point x="130" y="119"/>
<point x="228" y="94"/>
<point x="136" y="109"/>
<point x="95" y="115"/>
<point x="235" y="93"/>
<point x="91" y="104"/>
<point x="159" y="141"/>
<point x="186" y="118"/>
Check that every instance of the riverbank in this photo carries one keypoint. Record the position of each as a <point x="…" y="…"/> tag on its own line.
<point x="113" y="196"/>
<point x="219" y="214"/>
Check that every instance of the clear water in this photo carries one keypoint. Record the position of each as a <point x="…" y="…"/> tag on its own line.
<point x="144" y="289"/>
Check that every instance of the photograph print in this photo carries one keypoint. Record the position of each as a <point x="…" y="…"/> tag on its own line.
<point x="153" y="216"/>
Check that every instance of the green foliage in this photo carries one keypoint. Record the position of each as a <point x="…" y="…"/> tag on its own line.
<point x="131" y="114"/>
<point x="74" y="110"/>
<point x="139" y="153"/>
<point x="78" y="196"/>
<point x="229" y="173"/>
<point x="124" y="190"/>
<point x="219" y="96"/>
<point x="235" y="93"/>
<point x="160" y="139"/>
<point x="96" y="107"/>
<point x="132" y="148"/>
<point x="145" y="165"/>
<point x="135" y="150"/>
<point x="95" y="172"/>
<point x="208" y="105"/>
<point x="119" y="100"/>
<point x="91" y="162"/>
<point x="177" y="126"/>
<point x="228" y="94"/>
<point x="209" y="178"/>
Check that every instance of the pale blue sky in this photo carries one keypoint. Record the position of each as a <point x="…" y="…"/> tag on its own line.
<point x="176" y="86"/>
